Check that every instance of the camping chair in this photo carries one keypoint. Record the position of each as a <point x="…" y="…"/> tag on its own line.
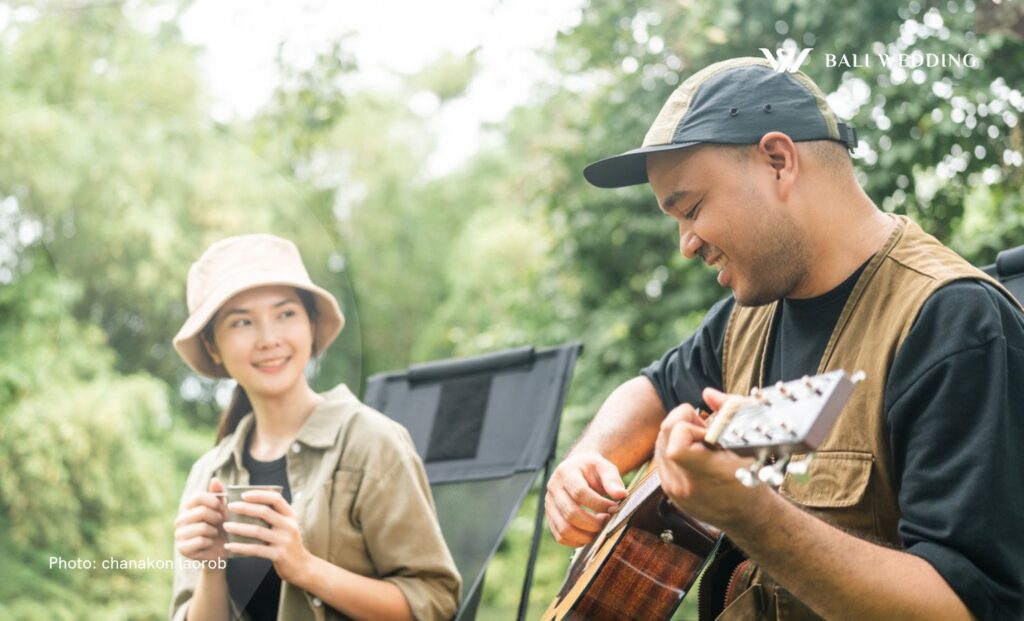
<point x="484" y="427"/>
<point x="1009" y="270"/>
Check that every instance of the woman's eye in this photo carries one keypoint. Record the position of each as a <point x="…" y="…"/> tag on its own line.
<point x="239" y="322"/>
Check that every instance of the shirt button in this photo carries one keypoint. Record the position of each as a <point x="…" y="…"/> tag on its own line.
<point x="296" y="448"/>
<point x="317" y="602"/>
<point x="295" y="497"/>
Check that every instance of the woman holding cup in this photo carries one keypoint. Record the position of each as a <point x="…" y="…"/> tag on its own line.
<point x="349" y="531"/>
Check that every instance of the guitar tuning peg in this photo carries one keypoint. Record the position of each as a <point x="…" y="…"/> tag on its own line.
<point x="770" y="476"/>
<point x="858" y="377"/>
<point x="749" y="476"/>
<point x="774" y="474"/>
<point x="799" y="469"/>
<point x="746" y="477"/>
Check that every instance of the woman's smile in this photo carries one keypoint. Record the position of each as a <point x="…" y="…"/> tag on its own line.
<point x="272" y="365"/>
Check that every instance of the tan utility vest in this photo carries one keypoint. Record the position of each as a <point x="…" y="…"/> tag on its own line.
<point x="852" y="484"/>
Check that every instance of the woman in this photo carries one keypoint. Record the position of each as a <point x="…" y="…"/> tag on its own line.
<point x="353" y="534"/>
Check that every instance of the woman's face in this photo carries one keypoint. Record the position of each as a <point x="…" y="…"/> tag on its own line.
<point x="263" y="337"/>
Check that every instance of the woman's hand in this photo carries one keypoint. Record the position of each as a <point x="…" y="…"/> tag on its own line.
<point x="198" y="530"/>
<point x="284" y="537"/>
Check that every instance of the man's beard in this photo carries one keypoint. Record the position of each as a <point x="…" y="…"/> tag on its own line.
<point x="778" y="264"/>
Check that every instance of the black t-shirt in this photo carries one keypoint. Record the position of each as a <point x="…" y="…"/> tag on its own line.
<point x="253" y="582"/>
<point x="954" y="408"/>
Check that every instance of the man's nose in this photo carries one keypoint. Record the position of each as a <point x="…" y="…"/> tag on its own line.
<point x="689" y="244"/>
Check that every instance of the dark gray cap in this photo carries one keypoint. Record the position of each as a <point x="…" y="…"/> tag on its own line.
<point x="735" y="101"/>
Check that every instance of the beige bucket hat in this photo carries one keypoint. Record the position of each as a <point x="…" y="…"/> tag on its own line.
<point x="233" y="265"/>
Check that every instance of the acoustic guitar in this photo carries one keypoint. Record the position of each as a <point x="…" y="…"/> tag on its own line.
<point x="648" y="556"/>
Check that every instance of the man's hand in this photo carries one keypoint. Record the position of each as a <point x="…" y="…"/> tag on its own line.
<point x="699" y="480"/>
<point x="582" y="494"/>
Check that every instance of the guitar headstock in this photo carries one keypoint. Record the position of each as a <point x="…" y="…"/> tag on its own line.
<point x="781" y="420"/>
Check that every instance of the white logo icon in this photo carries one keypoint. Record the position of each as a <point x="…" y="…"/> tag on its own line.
<point x="786" y="59"/>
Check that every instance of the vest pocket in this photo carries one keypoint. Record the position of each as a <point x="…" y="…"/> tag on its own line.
<point x="839" y="492"/>
<point x="837" y="479"/>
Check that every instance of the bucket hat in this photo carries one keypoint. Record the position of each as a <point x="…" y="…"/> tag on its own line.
<point x="236" y="264"/>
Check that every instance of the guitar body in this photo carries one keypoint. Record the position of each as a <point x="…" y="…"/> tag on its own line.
<point x="641" y="570"/>
<point x="649" y="554"/>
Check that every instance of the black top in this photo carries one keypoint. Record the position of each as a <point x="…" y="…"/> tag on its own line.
<point x="953" y="408"/>
<point x="253" y="582"/>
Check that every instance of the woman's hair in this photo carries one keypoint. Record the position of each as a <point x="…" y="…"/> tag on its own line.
<point x="240" y="405"/>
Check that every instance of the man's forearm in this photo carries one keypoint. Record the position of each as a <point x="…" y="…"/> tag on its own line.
<point x="838" y="575"/>
<point x="624" y="429"/>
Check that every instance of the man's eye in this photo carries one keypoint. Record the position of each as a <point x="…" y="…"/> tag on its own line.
<point x="288" y="313"/>
<point x="690" y="215"/>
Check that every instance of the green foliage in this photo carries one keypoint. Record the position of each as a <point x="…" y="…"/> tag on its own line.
<point x="112" y="156"/>
<point x="115" y="178"/>
<point x="447" y="77"/>
<point x="83" y="476"/>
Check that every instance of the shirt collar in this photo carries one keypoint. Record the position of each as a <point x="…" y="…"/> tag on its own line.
<point x="321" y="428"/>
<point x="319" y="431"/>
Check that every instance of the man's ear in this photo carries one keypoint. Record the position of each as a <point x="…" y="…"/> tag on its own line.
<point x="779" y="152"/>
<point x="211" y="350"/>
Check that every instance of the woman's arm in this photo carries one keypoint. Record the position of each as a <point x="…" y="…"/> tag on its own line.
<point x="210" y="599"/>
<point x="353" y="595"/>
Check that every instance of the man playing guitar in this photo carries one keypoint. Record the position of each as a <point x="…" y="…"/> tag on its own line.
<point x="912" y="507"/>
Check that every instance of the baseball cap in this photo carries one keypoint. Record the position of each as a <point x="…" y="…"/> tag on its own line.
<point x="735" y="101"/>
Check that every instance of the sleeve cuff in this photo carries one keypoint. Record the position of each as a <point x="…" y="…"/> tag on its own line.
<point x="972" y="586"/>
<point x="428" y="603"/>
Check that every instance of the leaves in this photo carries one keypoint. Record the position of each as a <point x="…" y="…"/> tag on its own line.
<point x="115" y="178"/>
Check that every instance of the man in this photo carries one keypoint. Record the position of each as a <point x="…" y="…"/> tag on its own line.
<point x="912" y="504"/>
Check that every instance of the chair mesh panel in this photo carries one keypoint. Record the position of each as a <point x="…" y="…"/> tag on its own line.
<point x="460" y="418"/>
<point x="473" y="517"/>
<point x="485" y="427"/>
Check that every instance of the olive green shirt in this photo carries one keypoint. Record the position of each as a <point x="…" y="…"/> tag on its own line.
<point x="363" y="503"/>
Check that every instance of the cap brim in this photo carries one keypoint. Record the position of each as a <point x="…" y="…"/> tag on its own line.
<point x="629" y="168"/>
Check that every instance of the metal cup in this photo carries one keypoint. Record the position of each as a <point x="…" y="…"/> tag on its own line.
<point x="234" y="494"/>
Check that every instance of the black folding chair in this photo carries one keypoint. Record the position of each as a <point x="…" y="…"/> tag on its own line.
<point x="1009" y="270"/>
<point x="484" y="426"/>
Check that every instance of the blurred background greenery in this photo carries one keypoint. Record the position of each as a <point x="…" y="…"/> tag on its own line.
<point x="115" y="176"/>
